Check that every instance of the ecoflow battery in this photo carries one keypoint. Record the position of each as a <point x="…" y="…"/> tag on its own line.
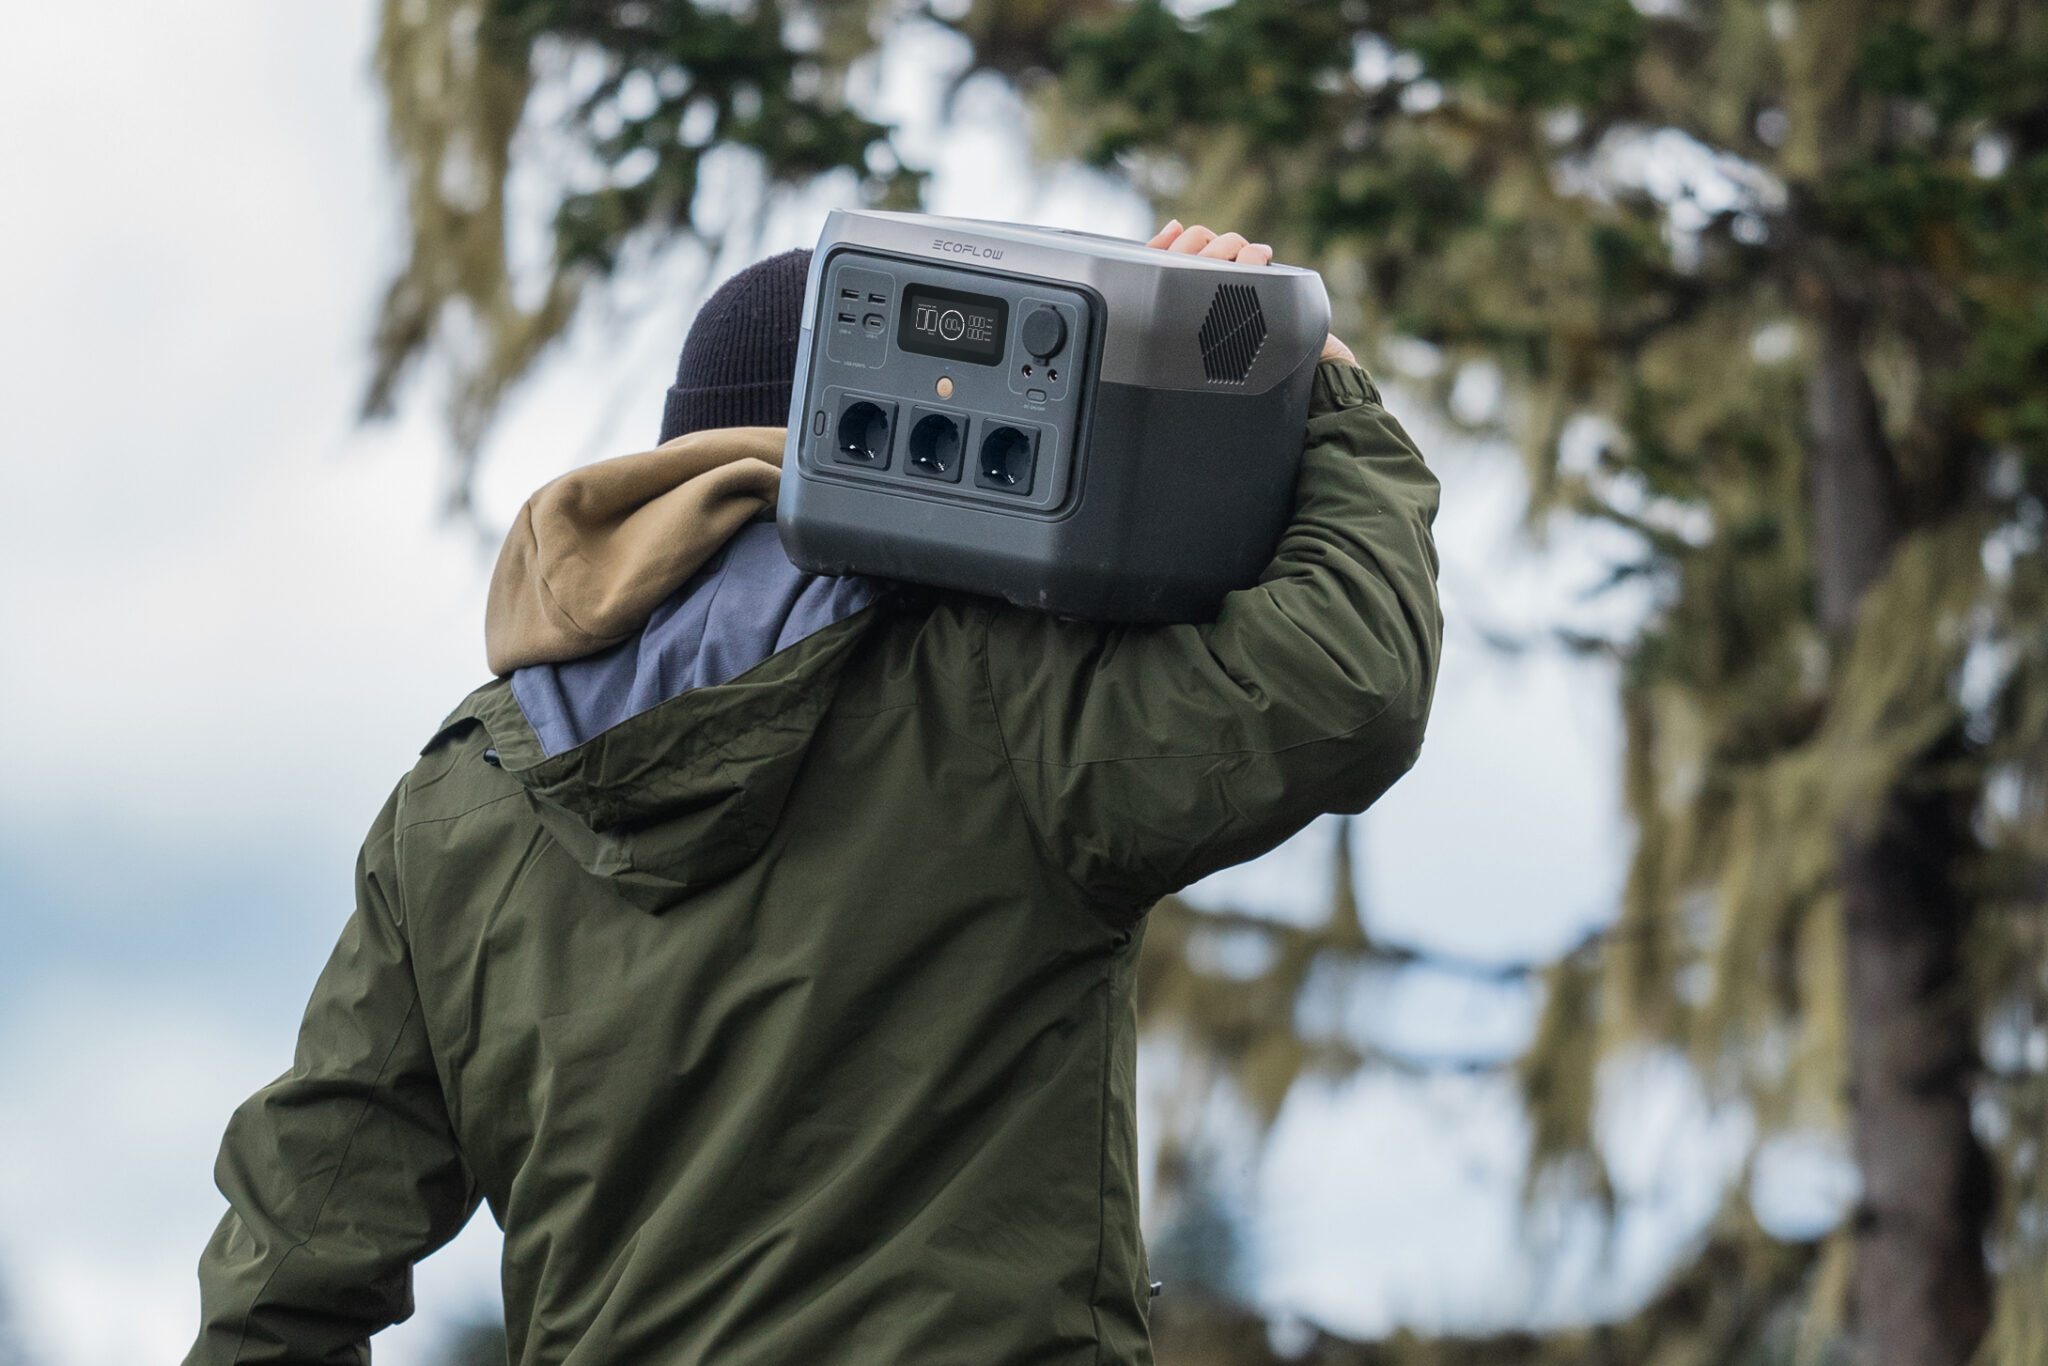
<point x="1068" y="421"/>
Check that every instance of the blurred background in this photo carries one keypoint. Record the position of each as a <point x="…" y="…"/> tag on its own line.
<point x="1685" y="1005"/>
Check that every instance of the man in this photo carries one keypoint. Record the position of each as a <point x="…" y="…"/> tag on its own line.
<point x="761" y="948"/>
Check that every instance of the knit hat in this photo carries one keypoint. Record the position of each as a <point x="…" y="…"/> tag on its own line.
<point x="738" y="365"/>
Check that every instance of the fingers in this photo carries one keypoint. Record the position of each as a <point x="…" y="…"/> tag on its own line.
<point x="1232" y="246"/>
<point x="1200" y="241"/>
<point x="1226" y="247"/>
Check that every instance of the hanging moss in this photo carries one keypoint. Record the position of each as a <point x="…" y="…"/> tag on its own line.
<point x="1461" y="173"/>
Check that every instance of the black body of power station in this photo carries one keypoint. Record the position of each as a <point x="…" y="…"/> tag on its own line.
<point x="1069" y="421"/>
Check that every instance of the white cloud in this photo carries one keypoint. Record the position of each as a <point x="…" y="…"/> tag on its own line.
<point x="1411" y="1221"/>
<point x="111" y="1106"/>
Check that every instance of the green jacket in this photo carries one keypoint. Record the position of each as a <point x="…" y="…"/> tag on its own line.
<point x="790" y="1023"/>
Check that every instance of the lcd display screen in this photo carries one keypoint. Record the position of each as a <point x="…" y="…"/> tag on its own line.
<point x="945" y="322"/>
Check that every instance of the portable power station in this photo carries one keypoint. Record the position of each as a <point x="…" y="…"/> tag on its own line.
<point x="1069" y="421"/>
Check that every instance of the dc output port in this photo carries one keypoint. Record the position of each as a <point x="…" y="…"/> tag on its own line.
<point x="1008" y="457"/>
<point x="864" y="434"/>
<point x="935" y="446"/>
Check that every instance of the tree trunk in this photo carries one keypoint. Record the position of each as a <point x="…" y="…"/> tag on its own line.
<point x="1920" y="1295"/>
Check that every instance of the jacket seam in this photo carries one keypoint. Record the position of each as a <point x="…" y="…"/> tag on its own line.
<point x="844" y="714"/>
<point x="1009" y="759"/>
<point x="742" y="717"/>
<point x="1369" y="721"/>
<point x="340" y="1164"/>
<point x="1102" y="1162"/>
<point x="962" y="736"/>
<point x="424" y="821"/>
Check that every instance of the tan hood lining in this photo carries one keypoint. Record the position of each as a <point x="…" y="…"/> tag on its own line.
<point x="592" y="554"/>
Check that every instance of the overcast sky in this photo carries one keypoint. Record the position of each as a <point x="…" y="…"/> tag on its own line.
<point x="232" y="616"/>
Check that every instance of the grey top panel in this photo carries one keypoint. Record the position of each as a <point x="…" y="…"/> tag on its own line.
<point x="1156" y="302"/>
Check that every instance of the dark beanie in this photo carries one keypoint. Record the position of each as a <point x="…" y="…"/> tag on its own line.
<point x="739" y="362"/>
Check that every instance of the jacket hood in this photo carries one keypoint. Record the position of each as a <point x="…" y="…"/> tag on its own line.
<point x="683" y="778"/>
<point x="592" y="554"/>
<point x="688" y="792"/>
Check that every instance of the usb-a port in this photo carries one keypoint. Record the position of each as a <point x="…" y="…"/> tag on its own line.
<point x="849" y="294"/>
<point x="878" y="298"/>
<point x="846" y="318"/>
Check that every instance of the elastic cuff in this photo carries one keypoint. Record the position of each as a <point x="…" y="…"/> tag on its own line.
<point x="1340" y="384"/>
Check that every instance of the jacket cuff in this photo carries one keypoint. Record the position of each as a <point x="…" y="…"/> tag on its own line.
<point x="1340" y="384"/>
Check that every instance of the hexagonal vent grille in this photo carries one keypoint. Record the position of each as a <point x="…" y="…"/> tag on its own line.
<point x="1232" y="334"/>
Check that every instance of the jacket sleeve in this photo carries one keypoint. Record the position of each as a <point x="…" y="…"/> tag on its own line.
<point x="1147" y="757"/>
<point x="343" y="1172"/>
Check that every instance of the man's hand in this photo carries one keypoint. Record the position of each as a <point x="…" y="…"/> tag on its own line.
<point x="1232" y="246"/>
<point x="1199" y="241"/>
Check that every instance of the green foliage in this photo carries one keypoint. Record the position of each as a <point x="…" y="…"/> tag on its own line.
<point x="1468" y="183"/>
<point x="649" y="91"/>
<point x="1529" y="54"/>
<point x="1259" y="68"/>
<point x="1956" y="76"/>
<point x="703" y="78"/>
<point x="1656" y="223"/>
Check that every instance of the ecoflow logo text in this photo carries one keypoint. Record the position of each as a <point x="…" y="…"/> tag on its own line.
<point x="967" y="249"/>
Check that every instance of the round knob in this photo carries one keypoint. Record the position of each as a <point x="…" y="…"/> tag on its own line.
<point x="1045" y="332"/>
